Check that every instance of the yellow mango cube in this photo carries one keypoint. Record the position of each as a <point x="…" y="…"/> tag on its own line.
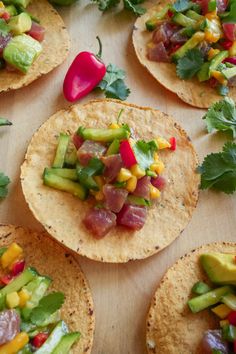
<point x="131" y="184"/>
<point x="157" y="167"/>
<point x="221" y="311"/>
<point x="154" y="192"/>
<point x="16" y="344"/>
<point x="162" y="143"/>
<point x="12" y="300"/>
<point x="124" y="175"/>
<point x="137" y="171"/>
<point x="13" y="253"/>
<point x="24" y="297"/>
<point x="114" y="126"/>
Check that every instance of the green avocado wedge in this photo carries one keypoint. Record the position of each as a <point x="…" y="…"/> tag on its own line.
<point x="220" y="267"/>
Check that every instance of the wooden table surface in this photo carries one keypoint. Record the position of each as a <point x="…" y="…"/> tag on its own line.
<point x="121" y="292"/>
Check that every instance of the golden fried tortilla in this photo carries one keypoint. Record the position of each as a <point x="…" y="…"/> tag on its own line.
<point x="55" y="48"/>
<point x="193" y="92"/>
<point x="49" y="258"/>
<point x="171" y="327"/>
<point x="61" y="213"/>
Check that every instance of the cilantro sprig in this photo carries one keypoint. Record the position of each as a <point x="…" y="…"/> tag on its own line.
<point x="144" y="152"/>
<point x="130" y="5"/>
<point x="222" y="116"/>
<point x="48" y="305"/>
<point x="4" y="181"/>
<point x="113" y="84"/>
<point x="189" y="65"/>
<point x="4" y="121"/>
<point x="218" y="170"/>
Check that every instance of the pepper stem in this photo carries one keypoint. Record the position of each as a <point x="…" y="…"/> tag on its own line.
<point x="99" y="54"/>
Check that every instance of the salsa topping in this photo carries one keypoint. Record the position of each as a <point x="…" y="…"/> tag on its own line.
<point x="30" y="318"/>
<point x="199" y="37"/>
<point x="121" y="174"/>
<point x="221" y="269"/>
<point x="20" y="36"/>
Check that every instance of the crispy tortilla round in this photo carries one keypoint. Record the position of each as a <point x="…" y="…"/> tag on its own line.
<point x="49" y="258"/>
<point x="193" y="92"/>
<point x="55" y="48"/>
<point x="61" y="213"/>
<point x="171" y="327"/>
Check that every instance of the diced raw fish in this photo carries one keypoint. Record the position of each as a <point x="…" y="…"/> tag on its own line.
<point x="4" y="40"/>
<point x="157" y="52"/>
<point x="9" y="325"/>
<point x="159" y="182"/>
<point x="77" y="140"/>
<point x="37" y="31"/>
<point x="99" y="221"/>
<point x="114" y="197"/>
<point x="132" y="216"/>
<point x="113" y="164"/>
<point x="143" y="187"/>
<point x="88" y="150"/>
<point x="212" y="339"/>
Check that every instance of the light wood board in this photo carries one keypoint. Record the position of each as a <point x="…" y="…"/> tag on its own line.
<point x="121" y="292"/>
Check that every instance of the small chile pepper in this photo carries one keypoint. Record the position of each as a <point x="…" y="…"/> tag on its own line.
<point x="18" y="268"/>
<point x="173" y="143"/>
<point x="84" y="74"/>
<point x="39" y="339"/>
<point x="127" y="154"/>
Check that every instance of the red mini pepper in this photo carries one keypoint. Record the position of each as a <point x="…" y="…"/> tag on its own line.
<point x="18" y="268"/>
<point x="6" y="279"/>
<point x="232" y="318"/>
<point x="84" y="74"/>
<point x="39" y="339"/>
<point x="173" y="143"/>
<point x="127" y="154"/>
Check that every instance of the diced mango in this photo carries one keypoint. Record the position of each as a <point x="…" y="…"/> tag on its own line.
<point x="212" y="52"/>
<point x="221" y="311"/>
<point x="13" y="252"/>
<point x="99" y="196"/>
<point x="155" y="156"/>
<point x="131" y="184"/>
<point x="2" y="5"/>
<point x="16" y="344"/>
<point x="137" y="171"/>
<point x="114" y="126"/>
<point x="24" y="297"/>
<point x="157" y="167"/>
<point x="154" y="192"/>
<point x="224" y="323"/>
<point x="124" y="175"/>
<point x="12" y="300"/>
<point x="211" y="15"/>
<point x="219" y="77"/>
<point x="212" y="37"/>
<point x="162" y="143"/>
<point x="99" y="180"/>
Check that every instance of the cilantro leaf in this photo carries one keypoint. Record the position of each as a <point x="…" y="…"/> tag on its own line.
<point x="113" y="85"/>
<point x="144" y="152"/>
<point x="190" y="64"/>
<point x="222" y="116"/>
<point x="4" y="181"/>
<point x="218" y="170"/>
<point x="48" y="305"/>
<point x="133" y="5"/>
<point x="4" y="121"/>
<point x="104" y="5"/>
<point x="182" y="5"/>
<point x="231" y="16"/>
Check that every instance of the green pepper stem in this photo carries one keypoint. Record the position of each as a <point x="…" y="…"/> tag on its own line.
<point x="99" y="54"/>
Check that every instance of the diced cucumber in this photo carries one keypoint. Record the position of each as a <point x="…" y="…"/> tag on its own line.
<point x="63" y="184"/>
<point x="25" y="350"/>
<point x="212" y="5"/>
<point x="132" y="199"/>
<point x="103" y="135"/>
<point x="2" y="251"/>
<point x="153" y="22"/>
<point x="54" y="339"/>
<point x="183" y="20"/>
<point x="210" y="298"/>
<point x="113" y="148"/>
<point x="190" y="44"/>
<point x="61" y="150"/>
<point x="200" y="288"/>
<point x="230" y="301"/>
<point x="217" y="59"/>
<point x="66" y="343"/>
<point x="229" y="333"/>
<point x="23" y="279"/>
<point x="204" y="72"/>
<point x="71" y="157"/>
<point x="229" y="72"/>
<point x="41" y="286"/>
<point x="68" y="173"/>
<point x="194" y="15"/>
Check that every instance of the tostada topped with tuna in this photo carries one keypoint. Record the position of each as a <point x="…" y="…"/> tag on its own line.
<point x="120" y="173"/>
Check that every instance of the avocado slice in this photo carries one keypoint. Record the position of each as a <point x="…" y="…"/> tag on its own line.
<point x="190" y="44"/>
<point x="66" y="343"/>
<point x="20" y="24"/>
<point x="220" y="267"/>
<point x="21" y="52"/>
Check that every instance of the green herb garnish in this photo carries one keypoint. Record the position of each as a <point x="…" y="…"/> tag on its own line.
<point x="4" y="122"/>
<point x="144" y="152"/>
<point x="4" y="181"/>
<point x="113" y="83"/>
<point x="189" y="65"/>
<point x="222" y="116"/>
<point x="218" y="170"/>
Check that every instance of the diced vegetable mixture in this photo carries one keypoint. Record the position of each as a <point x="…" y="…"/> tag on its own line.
<point x="200" y="38"/>
<point x="20" y="36"/>
<point x="30" y="320"/>
<point x="121" y="174"/>
<point x="219" y="296"/>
